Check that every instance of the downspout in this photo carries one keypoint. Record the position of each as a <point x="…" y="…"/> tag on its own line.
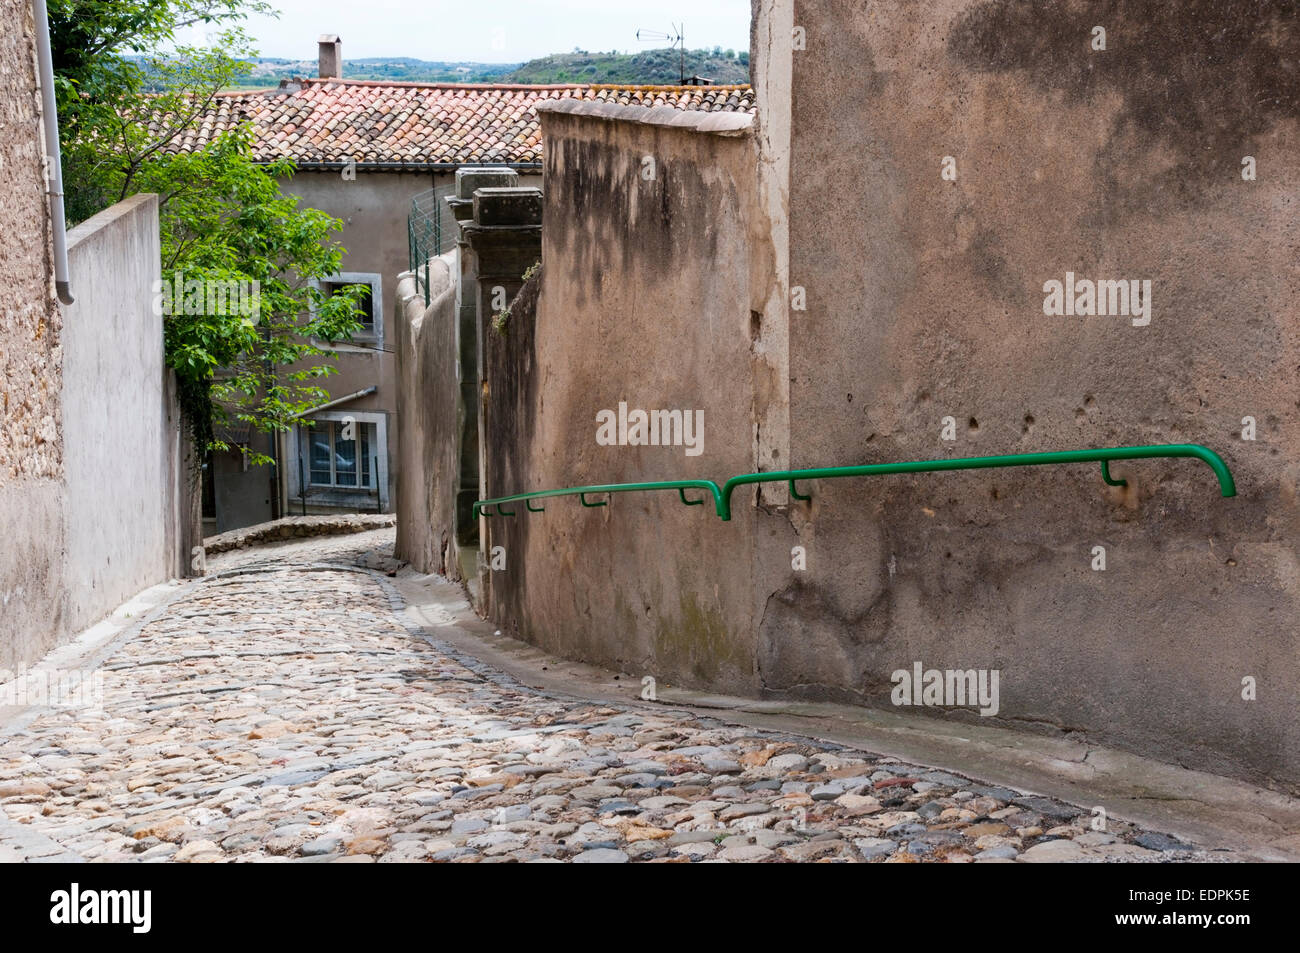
<point x="277" y="446"/>
<point x="53" y="158"/>
<point x="341" y="400"/>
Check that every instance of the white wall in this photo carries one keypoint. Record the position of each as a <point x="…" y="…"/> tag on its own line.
<point x="120" y="428"/>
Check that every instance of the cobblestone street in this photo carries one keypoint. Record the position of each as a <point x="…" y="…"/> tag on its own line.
<point x="281" y="710"/>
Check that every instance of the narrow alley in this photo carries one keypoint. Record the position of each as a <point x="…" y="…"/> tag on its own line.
<point x="281" y="709"/>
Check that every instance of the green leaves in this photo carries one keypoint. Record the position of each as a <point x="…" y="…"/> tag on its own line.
<point x="245" y="326"/>
<point x="84" y="33"/>
<point x="225" y="220"/>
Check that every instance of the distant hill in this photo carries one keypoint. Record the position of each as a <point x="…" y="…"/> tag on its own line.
<point x="268" y="71"/>
<point x="651" y="68"/>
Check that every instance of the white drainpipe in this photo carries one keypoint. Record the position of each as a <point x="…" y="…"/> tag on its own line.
<point x="341" y="400"/>
<point x="54" y="169"/>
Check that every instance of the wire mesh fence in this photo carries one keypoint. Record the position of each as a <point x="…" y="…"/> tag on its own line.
<point x="431" y="231"/>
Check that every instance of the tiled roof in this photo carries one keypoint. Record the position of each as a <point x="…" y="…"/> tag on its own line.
<point x="417" y="124"/>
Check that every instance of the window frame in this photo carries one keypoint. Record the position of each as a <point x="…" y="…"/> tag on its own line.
<point x="362" y="461"/>
<point x="376" y="283"/>
<point x="296" y="448"/>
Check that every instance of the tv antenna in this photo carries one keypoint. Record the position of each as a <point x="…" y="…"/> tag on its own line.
<point x="678" y="40"/>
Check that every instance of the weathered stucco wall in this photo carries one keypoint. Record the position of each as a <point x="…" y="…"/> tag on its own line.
<point x="925" y="299"/>
<point x="31" y="445"/>
<point x="427" y="419"/>
<point x="648" y="302"/>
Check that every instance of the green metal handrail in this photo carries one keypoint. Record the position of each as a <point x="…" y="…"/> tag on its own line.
<point x="722" y="495"/>
<point x="1103" y="456"/>
<point x="681" y="486"/>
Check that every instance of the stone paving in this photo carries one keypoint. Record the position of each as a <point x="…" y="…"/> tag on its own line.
<point x="282" y="711"/>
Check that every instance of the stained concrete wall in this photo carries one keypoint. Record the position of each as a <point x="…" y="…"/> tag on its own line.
<point x="646" y="298"/>
<point x="928" y="302"/>
<point x="428" y="420"/>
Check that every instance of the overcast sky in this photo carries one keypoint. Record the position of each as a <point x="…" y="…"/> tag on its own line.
<point x="493" y="31"/>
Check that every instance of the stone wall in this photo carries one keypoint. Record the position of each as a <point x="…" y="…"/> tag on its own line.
<point x="31" y="358"/>
<point x="297" y="527"/>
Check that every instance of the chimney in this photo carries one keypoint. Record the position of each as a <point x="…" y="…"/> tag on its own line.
<point x="331" y="56"/>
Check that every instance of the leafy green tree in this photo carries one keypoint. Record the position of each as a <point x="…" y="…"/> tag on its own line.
<point x="227" y="223"/>
<point x="89" y="43"/>
<point x="223" y="219"/>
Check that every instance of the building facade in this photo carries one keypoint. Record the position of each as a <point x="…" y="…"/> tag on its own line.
<point x="364" y="151"/>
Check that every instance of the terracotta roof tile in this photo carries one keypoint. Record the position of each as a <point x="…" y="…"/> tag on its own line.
<point x="417" y="124"/>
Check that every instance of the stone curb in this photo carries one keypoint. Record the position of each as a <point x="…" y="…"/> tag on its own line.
<point x="297" y="527"/>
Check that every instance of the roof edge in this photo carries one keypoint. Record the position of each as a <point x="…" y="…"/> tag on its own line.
<point x="396" y="165"/>
<point x="714" y="123"/>
<point x="304" y="82"/>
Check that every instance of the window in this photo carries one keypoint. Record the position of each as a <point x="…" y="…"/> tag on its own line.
<point x="365" y="307"/>
<point x="370" y="309"/>
<point x="339" y="463"/>
<point x="334" y="460"/>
